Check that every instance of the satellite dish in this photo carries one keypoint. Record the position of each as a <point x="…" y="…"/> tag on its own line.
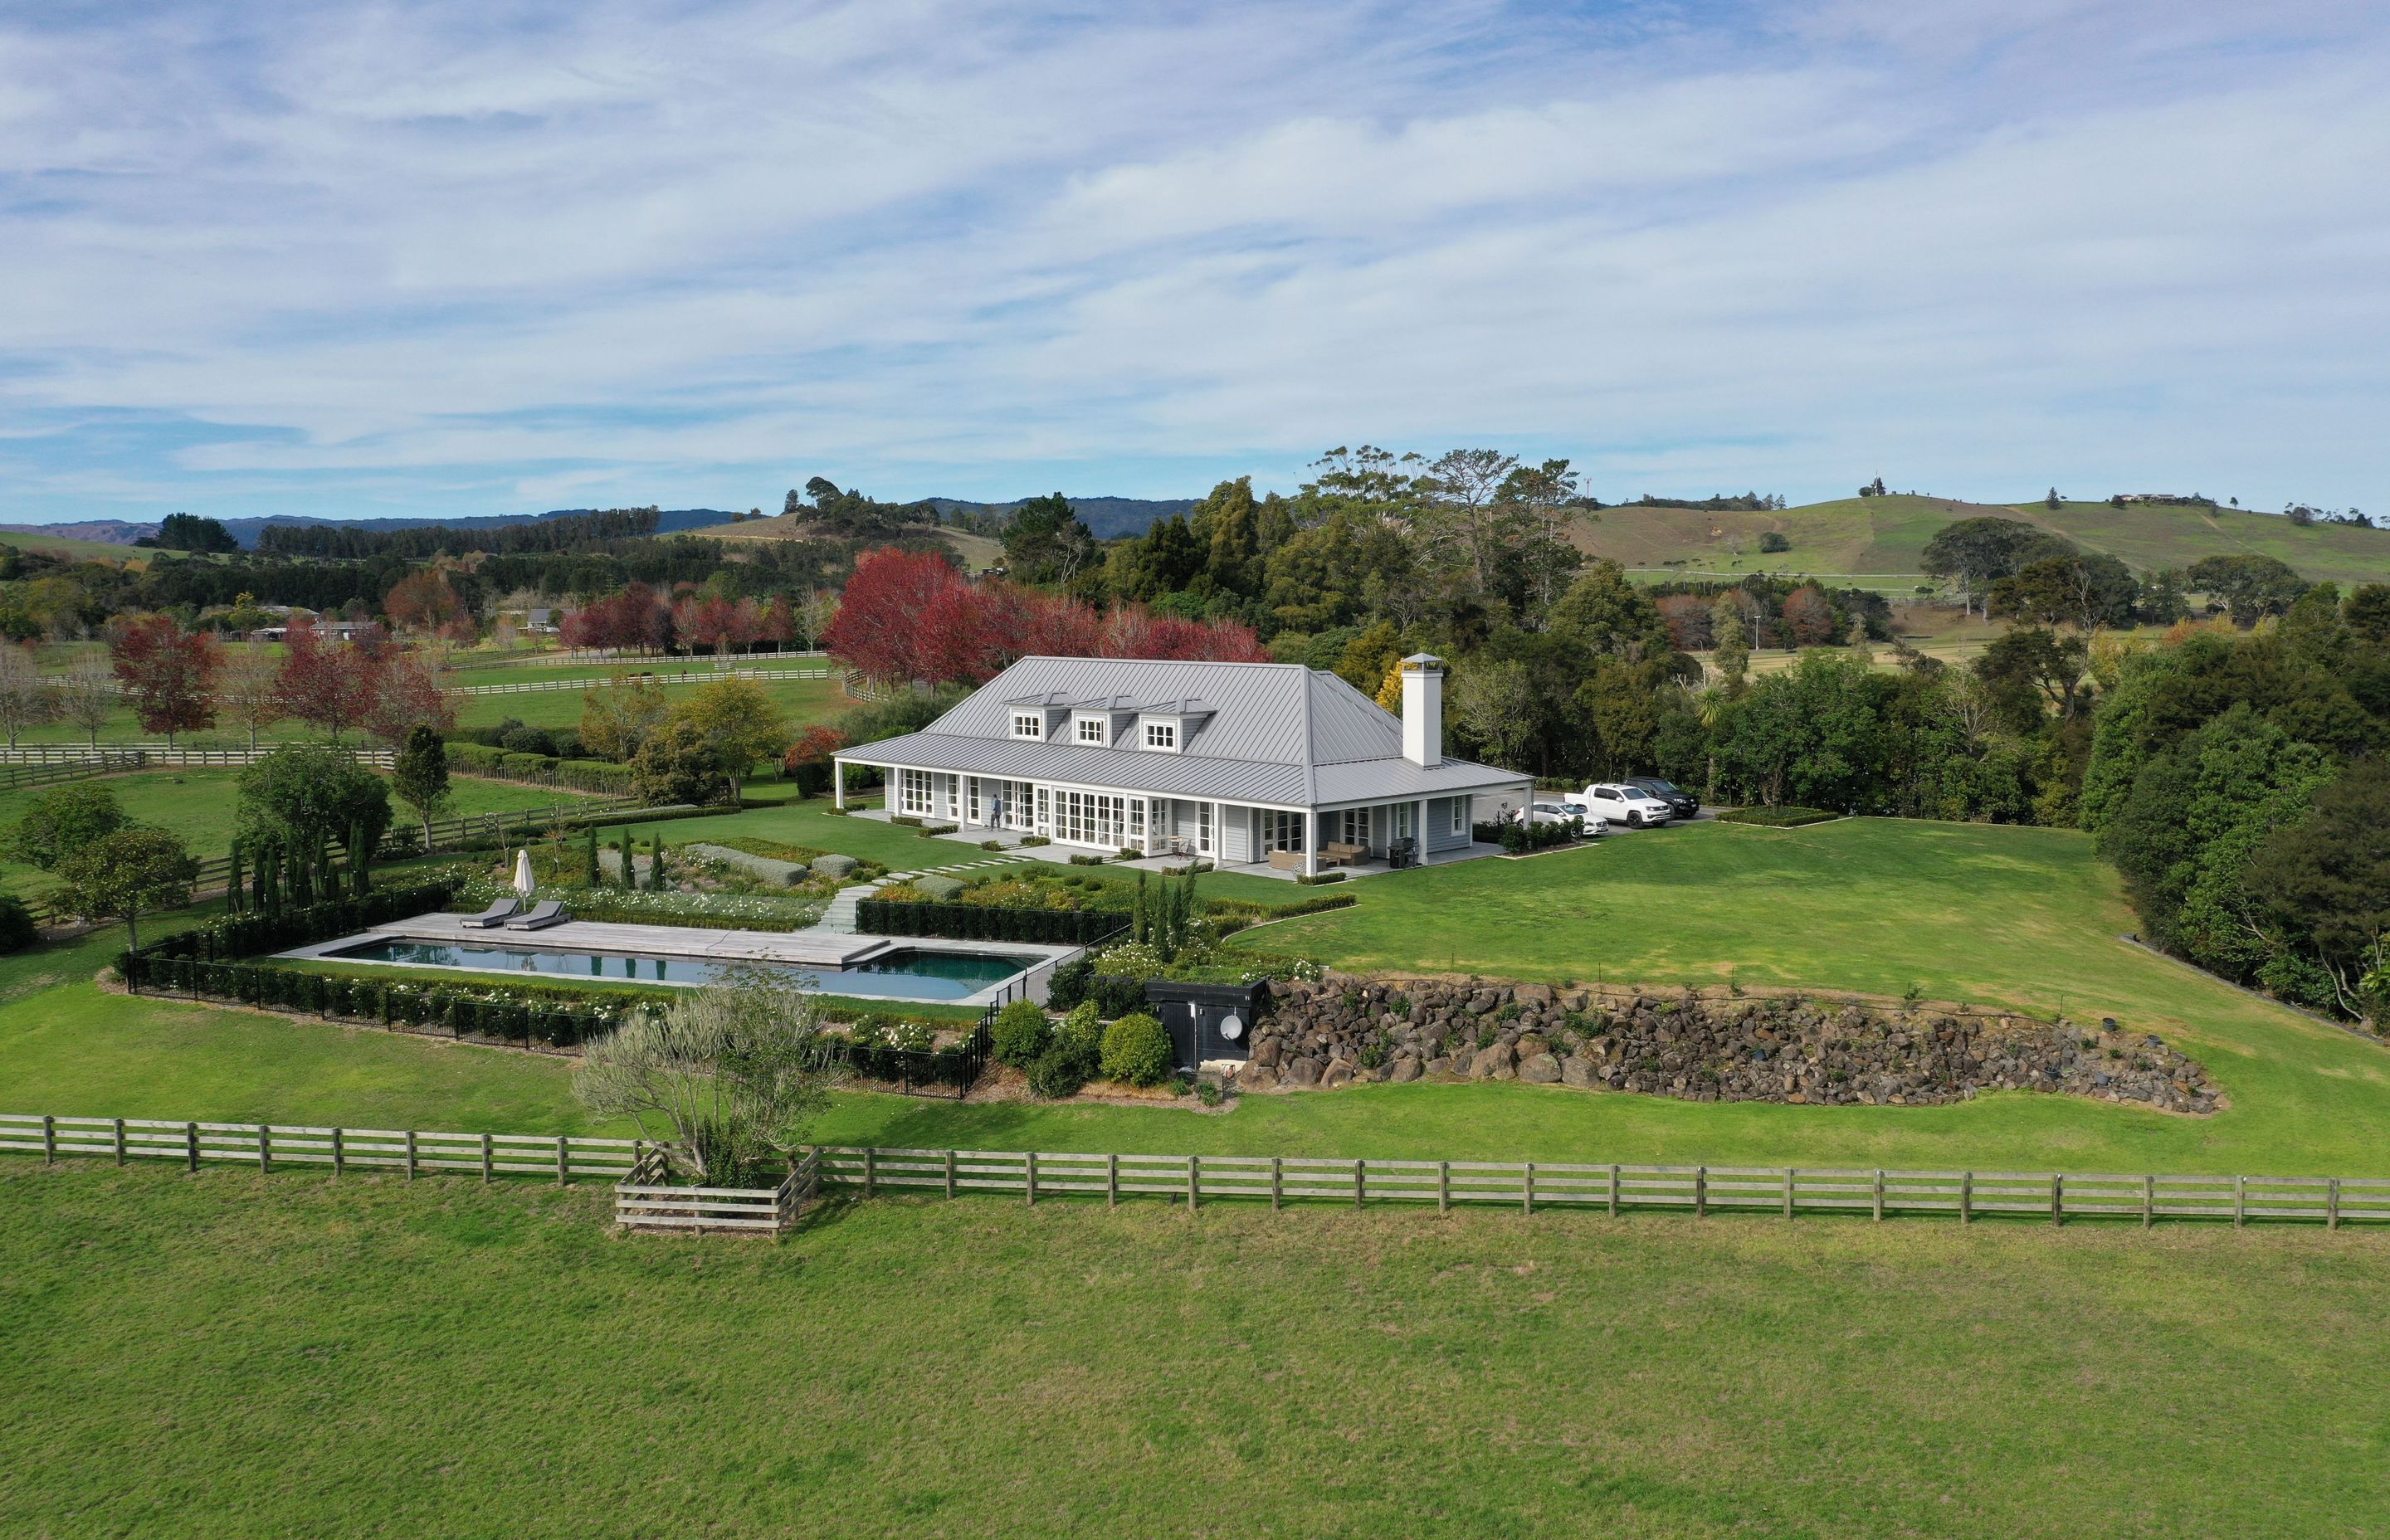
<point x="1232" y="1026"/>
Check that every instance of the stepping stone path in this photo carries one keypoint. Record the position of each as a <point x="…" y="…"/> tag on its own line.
<point x="839" y="919"/>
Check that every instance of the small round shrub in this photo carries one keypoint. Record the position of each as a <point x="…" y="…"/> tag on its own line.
<point x="1137" y="1049"/>
<point x="1021" y="1034"/>
<point x="833" y="866"/>
<point x="1059" y="1071"/>
<point x="1084" y="1028"/>
<point x="17" y="928"/>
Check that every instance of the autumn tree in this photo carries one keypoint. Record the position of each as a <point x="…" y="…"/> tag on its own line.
<point x="617" y="716"/>
<point x="87" y="696"/>
<point x="249" y="689"/>
<point x="423" y="602"/>
<point x="738" y="724"/>
<point x="168" y="674"/>
<point x="25" y="700"/>
<point x="408" y="691"/>
<point x="329" y="684"/>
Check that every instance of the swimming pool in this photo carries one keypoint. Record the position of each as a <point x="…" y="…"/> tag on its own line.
<point x="911" y="974"/>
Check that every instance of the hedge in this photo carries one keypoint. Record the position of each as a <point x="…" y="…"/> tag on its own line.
<point x="461" y="1011"/>
<point x="887" y="916"/>
<point x="237" y="936"/>
<point x="1777" y="818"/>
<point x="580" y="774"/>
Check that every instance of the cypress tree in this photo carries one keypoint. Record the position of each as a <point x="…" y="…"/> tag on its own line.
<point x="656" y="865"/>
<point x="592" y="875"/>
<point x="232" y="879"/>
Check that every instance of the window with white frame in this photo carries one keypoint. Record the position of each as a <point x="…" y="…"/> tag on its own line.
<point x="1281" y="831"/>
<point x="1091" y="818"/>
<point x="1162" y="735"/>
<point x="913" y="790"/>
<point x="1353" y="826"/>
<point x="1028" y="724"/>
<point x="1459" y="806"/>
<point x="1203" y="829"/>
<point x="1091" y="730"/>
<point x="1402" y="813"/>
<point x="1010" y="804"/>
<point x="1045" y="816"/>
<point x="1136" y="807"/>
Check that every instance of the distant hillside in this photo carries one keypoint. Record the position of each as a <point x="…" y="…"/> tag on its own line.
<point x="670" y="520"/>
<point x="104" y="531"/>
<point x="1110" y="518"/>
<point x="1881" y="541"/>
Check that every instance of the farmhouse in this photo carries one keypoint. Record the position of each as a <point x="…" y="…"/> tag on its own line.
<point x="1267" y="766"/>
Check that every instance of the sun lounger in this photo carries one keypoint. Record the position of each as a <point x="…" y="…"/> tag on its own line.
<point x="549" y="912"/>
<point x="490" y="918"/>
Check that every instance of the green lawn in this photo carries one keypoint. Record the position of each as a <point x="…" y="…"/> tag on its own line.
<point x="802" y="701"/>
<point x="2304" y="1097"/>
<point x="200" y="805"/>
<point x="231" y="1355"/>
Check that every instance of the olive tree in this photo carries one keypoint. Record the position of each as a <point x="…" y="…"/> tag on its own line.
<point x="725" y="1077"/>
<point x="125" y="874"/>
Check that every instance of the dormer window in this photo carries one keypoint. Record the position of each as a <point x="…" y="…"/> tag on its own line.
<point x="1162" y="735"/>
<point x="1091" y="730"/>
<point x="1029" y="725"/>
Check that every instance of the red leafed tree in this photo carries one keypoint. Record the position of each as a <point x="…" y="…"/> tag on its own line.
<point x="879" y="628"/>
<point x="1808" y="619"/>
<point x="908" y="616"/>
<point x="406" y="695"/>
<point x="778" y="622"/>
<point x="638" y="618"/>
<point x="168" y="674"/>
<point x="421" y="601"/>
<point x="1687" y="619"/>
<point x="332" y="685"/>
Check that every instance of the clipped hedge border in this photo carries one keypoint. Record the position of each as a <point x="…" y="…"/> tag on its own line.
<point x="887" y="916"/>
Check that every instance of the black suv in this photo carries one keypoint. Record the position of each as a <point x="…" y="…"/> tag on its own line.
<point x="1683" y="805"/>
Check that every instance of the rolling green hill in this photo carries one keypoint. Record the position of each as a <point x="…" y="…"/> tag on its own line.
<point x="1880" y="542"/>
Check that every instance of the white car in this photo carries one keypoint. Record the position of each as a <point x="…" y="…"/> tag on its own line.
<point x="1618" y="803"/>
<point x="1560" y="813"/>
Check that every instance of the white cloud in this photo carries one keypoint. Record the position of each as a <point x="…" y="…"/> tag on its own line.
<point x="477" y="255"/>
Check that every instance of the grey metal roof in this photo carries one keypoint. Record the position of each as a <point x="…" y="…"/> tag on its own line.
<point x="1276" y="732"/>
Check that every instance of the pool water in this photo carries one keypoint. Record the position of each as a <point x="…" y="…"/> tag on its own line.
<point x="913" y="973"/>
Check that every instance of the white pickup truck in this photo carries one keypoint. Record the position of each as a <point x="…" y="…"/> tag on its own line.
<point x="1620" y="804"/>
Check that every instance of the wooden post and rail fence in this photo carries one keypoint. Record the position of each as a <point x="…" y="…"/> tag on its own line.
<point x="646" y="1197"/>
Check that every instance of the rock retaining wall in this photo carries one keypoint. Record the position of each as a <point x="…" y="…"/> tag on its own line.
<point x="1342" y="1029"/>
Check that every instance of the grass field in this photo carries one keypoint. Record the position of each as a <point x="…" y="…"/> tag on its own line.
<point x="235" y="1355"/>
<point x="1667" y="906"/>
<point x="200" y="805"/>
<point x="1879" y="542"/>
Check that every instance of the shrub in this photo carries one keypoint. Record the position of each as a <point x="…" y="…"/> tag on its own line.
<point x="833" y="866"/>
<point x="1777" y="818"/>
<point x="529" y="740"/>
<point x="1083" y="1031"/>
<point x="1771" y="542"/>
<point x="1035" y="839"/>
<point x="17" y="928"/>
<point x="1310" y="880"/>
<point x="910" y="820"/>
<point x="1137" y="1049"/>
<point x="1019" y="1035"/>
<point x="1086" y="860"/>
<point x="1130" y="852"/>
<point x="1058" y="1072"/>
<point x="991" y="844"/>
<point x="937" y="888"/>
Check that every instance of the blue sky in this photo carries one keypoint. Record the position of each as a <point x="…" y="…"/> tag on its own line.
<point x="488" y="258"/>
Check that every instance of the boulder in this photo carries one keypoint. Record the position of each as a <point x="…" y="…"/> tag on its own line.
<point x="1491" y="1064"/>
<point x="1268" y="1052"/>
<point x="1303" y="1072"/>
<point x="1406" y="1071"/>
<point x="1579" y="1070"/>
<point x="1540" y="1068"/>
<point x="1256" y="1077"/>
<point x="1339" y="1072"/>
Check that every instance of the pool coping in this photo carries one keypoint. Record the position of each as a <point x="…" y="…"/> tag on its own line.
<point x="797" y="949"/>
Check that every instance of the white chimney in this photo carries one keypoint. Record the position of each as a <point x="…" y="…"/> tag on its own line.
<point x="1423" y="710"/>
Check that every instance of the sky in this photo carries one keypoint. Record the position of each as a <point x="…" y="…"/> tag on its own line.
<point x="489" y="257"/>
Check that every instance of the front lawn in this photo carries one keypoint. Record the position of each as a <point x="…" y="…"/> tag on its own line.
<point x="231" y="1355"/>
